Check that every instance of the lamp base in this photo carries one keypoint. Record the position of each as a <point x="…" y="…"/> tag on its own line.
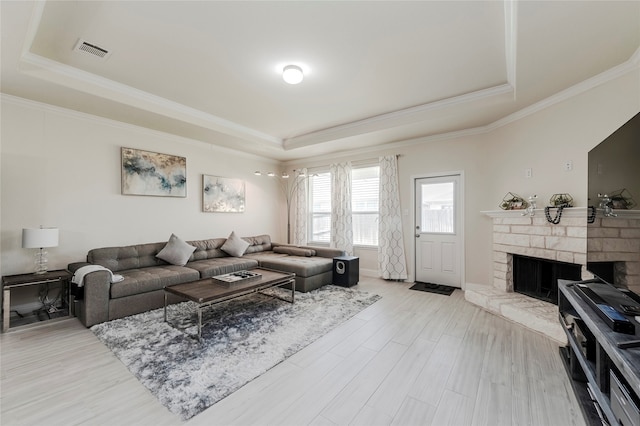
<point x="41" y="262"/>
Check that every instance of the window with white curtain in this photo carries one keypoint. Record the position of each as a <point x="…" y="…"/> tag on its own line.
<point x="320" y="208"/>
<point x="364" y="204"/>
<point x="365" y="182"/>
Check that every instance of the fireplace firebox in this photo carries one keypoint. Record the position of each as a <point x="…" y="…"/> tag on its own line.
<point x="538" y="278"/>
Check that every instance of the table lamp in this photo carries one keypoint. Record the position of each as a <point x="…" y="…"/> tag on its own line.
<point x="40" y="238"/>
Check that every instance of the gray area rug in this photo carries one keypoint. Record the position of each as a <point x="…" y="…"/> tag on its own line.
<point x="245" y="338"/>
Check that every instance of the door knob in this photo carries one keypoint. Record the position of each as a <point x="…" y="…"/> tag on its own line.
<point x="417" y="235"/>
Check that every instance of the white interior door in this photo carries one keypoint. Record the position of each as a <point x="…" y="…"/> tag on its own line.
<point x="438" y="239"/>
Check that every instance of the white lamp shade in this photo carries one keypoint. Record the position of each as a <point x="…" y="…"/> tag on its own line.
<point x="39" y="237"/>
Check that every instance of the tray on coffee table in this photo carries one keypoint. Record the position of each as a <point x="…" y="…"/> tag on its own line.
<point x="239" y="277"/>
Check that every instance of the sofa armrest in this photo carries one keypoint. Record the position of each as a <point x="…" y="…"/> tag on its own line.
<point x="95" y="304"/>
<point x="73" y="267"/>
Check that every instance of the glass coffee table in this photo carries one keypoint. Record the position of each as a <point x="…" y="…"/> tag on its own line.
<point x="210" y="291"/>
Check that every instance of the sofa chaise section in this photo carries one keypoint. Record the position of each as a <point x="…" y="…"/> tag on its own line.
<point x="312" y="272"/>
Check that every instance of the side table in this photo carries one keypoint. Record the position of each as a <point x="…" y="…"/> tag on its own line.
<point x="10" y="282"/>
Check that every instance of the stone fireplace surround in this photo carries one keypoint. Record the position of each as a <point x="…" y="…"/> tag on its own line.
<point x="534" y="236"/>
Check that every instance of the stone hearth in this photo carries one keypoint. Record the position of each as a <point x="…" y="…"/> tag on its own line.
<point x="531" y="236"/>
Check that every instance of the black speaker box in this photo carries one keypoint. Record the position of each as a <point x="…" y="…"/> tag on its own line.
<point x="346" y="270"/>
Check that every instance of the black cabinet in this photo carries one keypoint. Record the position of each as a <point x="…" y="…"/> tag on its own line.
<point x="605" y="377"/>
<point x="346" y="270"/>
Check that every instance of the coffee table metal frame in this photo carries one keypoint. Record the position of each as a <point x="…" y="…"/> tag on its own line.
<point x="207" y="292"/>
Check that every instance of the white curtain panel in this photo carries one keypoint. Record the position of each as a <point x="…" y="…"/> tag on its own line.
<point x="341" y="219"/>
<point x="391" y="257"/>
<point x="300" y="206"/>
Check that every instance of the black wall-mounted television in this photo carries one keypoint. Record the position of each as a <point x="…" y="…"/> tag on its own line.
<point x="614" y="170"/>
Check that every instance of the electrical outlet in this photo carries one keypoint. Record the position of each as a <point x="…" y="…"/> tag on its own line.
<point x="528" y="173"/>
<point x="568" y="166"/>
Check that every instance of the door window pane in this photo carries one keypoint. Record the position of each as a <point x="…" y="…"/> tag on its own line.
<point x="437" y="208"/>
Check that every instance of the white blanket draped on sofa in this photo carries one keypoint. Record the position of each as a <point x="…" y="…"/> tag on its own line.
<point x="78" y="276"/>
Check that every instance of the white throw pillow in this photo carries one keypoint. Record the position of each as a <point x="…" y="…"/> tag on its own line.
<point x="235" y="246"/>
<point x="176" y="251"/>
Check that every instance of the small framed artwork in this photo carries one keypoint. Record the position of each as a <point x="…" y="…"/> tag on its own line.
<point x="154" y="174"/>
<point x="222" y="195"/>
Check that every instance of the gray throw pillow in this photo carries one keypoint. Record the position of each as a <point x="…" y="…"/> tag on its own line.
<point x="235" y="246"/>
<point x="176" y="251"/>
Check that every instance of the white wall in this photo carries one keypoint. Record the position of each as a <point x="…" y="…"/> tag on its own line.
<point x="494" y="162"/>
<point x="62" y="169"/>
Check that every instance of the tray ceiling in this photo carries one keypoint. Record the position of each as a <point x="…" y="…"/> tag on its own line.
<point x="375" y="72"/>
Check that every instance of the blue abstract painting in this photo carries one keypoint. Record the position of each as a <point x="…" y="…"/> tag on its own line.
<point x="151" y="173"/>
<point x="224" y="195"/>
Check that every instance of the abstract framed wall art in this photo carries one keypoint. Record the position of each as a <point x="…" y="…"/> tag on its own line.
<point x="222" y="195"/>
<point x="154" y="174"/>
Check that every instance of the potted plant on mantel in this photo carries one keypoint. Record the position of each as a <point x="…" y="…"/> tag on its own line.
<point x="621" y="200"/>
<point x="561" y="200"/>
<point x="513" y="201"/>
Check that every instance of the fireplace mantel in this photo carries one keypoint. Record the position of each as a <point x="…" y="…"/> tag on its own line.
<point x="567" y="212"/>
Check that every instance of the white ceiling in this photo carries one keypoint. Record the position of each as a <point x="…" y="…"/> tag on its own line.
<point x="376" y="72"/>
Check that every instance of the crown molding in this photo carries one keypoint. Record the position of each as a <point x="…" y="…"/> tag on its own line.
<point x="630" y="65"/>
<point x="47" y="69"/>
<point x="635" y="58"/>
<point x="32" y="26"/>
<point x="511" y="40"/>
<point x="391" y="119"/>
<point x="65" y="75"/>
<point x="78" y="115"/>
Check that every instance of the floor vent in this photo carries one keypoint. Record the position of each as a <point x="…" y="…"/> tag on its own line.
<point x="91" y="49"/>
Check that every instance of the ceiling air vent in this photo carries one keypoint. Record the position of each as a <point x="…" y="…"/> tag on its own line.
<point x="91" y="49"/>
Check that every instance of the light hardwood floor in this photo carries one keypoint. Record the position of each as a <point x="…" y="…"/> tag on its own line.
<point x="412" y="358"/>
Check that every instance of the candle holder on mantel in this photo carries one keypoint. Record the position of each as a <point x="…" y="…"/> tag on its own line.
<point x="531" y="209"/>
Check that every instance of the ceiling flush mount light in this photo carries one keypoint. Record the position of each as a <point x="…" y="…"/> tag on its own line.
<point x="292" y="74"/>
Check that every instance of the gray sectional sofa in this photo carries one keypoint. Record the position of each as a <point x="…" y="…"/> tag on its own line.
<point x="144" y="275"/>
